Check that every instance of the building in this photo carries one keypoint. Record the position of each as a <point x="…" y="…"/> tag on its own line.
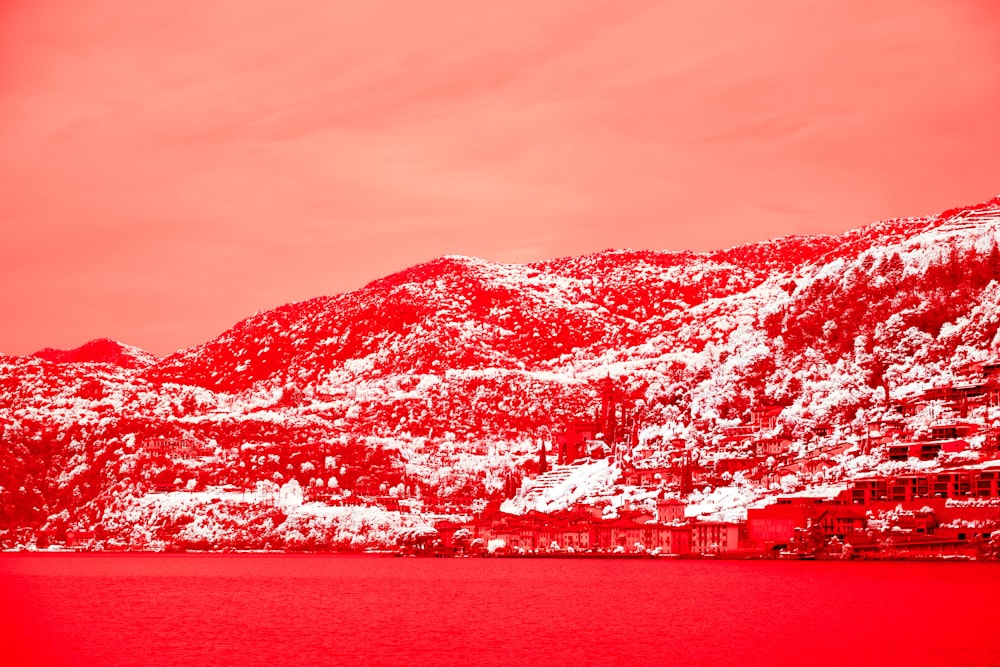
<point x="574" y="531"/>
<point x="572" y="443"/>
<point x="765" y="418"/>
<point x="714" y="537"/>
<point x="776" y="447"/>
<point x="773" y="526"/>
<point x="179" y="447"/>
<point x="670" y="511"/>
<point x="924" y="450"/>
<point x="611" y="431"/>
<point x="736" y="463"/>
<point x="979" y="481"/>
<point x="952" y="430"/>
<point x="841" y="522"/>
<point x="650" y="477"/>
<point x="628" y="536"/>
<point x="80" y="539"/>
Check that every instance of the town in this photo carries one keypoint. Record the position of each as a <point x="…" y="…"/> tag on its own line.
<point x="919" y="480"/>
<point x="942" y="499"/>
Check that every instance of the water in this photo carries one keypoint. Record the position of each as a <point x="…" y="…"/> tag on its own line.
<point x="245" y="610"/>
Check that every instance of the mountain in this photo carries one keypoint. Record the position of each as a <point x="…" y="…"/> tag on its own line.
<point x="439" y="385"/>
<point x="100" y="351"/>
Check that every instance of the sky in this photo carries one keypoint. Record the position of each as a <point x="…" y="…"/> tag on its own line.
<point x="169" y="168"/>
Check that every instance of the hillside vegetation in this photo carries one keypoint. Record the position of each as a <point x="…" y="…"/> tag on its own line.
<point x="440" y="384"/>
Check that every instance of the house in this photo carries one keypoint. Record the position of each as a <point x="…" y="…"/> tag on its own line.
<point x="775" y="447"/>
<point x="80" y="539"/>
<point x="649" y="477"/>
<point x="575" y="537"/>
<point x="887" y="429"/>
<point x="773" y="526"/>
<point x="954" y="393"/>
<point x="536" y="531"/>
<point x="987" y="483"/>
<point x="627" y="535"/>
<point x="918" y="521"/>
<point x="734" y="463"/>
<point x="952" y="430"/>
<point x="816" y="464"/>
<point x="517" y="533"/>
<point x="823" y="430"/>
<point x="446" y="530"/>
<point x="738" y="436"/>
<point x="925" y="451"/>
<point x="640" y="513"/>
<point x="909" y="406"/>
<point x="571" y="444"/>
<point x="763" y="479"/>
<point x="585" y="512"/>
<point x="482" y="528"/>
<point x="180" y="447"/>
<point x="951" y="484"/>
<point x="714" y="537"/>
<point x="765" y="417"/>
<point x="865" y="491"/>
<point x="956" y="483"/>
<point x="646" y="449"/>
<point x="842" y="522"/>
<point x="898" y="451"/>
<point x="991" y="372"/>
<point x="667" y="539"/>
<point x="572" y="531"/>
<point x="670" y="510"/>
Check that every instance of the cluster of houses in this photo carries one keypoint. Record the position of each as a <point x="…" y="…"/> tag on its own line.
<point x="933" y="514"/>
<point x="954" y="509"/>
<point x="582" y="529"/>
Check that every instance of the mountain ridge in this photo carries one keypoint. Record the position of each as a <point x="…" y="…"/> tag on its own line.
<point x="442" y="380"/>
<point x="100" y="351"/>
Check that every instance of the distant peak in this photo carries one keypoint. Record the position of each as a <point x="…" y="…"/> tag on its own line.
<point x="100" y="351"/>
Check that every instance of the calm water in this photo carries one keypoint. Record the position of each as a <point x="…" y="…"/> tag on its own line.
<point x="153" y="609"/>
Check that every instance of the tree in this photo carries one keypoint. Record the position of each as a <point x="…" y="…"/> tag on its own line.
<point x="418" y="538"/>
<point x="877" y="376"/>
<point x="893" y="267"/>
<point x="462" y="539"/>
<point x="993" y="262"/>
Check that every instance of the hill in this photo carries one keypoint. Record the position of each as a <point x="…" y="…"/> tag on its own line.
<point x="438" y="387"/>
<point x="100" y="351"/>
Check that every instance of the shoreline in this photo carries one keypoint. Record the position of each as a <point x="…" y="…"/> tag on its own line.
<point x="948" y="558"/>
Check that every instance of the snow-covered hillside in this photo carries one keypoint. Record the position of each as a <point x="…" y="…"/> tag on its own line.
<point x="431" y="392"/>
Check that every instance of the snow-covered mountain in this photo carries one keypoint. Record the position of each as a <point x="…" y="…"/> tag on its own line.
<point x="440" y="384"/>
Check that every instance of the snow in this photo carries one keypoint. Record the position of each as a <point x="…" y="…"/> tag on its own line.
<point x="468" y="428"/>
<point x="727" y="503"/>
<point x="820" y="491"/>
<point x="562" y="486"/>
